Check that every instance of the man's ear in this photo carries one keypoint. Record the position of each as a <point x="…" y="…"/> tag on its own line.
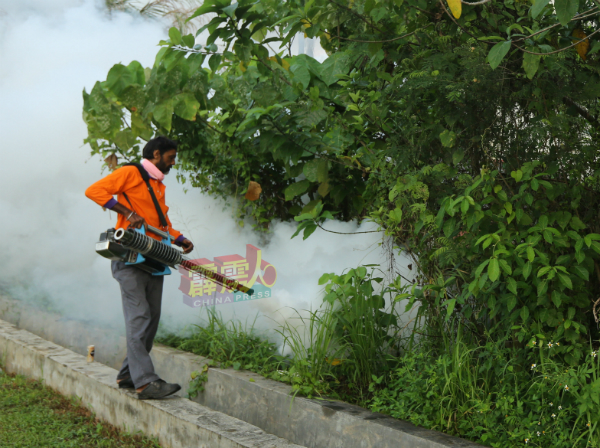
<point x="156" y="154"/>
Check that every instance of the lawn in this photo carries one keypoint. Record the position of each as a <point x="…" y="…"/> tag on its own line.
<point x="33" y="415"/>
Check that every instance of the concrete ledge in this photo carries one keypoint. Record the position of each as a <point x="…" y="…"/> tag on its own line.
<point x="176" y="422"/>
<point x="311" y="423"/>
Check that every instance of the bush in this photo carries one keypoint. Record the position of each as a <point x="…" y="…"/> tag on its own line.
<point x="490" y="395"/>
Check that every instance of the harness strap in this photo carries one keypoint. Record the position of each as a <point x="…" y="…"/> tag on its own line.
<point x="146" y="178"/>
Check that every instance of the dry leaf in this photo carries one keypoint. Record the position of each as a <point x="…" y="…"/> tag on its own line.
<point x="583" y="46"/>
<point x="254" y="191"/>
<point x="285" y="64"/>
<point x="334" y="362"/>
<point x="112" y="162"/>
<point x="455" y="7"/>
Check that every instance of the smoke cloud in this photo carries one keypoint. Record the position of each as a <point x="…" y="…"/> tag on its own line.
<point x="50" y="51"/>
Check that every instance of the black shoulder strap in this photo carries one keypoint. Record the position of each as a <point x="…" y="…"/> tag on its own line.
<point x="146" y="178"/>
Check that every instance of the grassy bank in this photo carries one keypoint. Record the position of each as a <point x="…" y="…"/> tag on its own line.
<point x="498" y="392"/>
<point x="33" y="415"/>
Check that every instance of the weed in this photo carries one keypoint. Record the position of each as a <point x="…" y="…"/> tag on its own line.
<point x="32" y="414"/>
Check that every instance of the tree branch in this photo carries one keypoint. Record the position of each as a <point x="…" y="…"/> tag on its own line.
<point x="376" y="41"/>
<point x="582" y="111"/>
<point x="360" y="16"/>
<point x="346" y="233"/>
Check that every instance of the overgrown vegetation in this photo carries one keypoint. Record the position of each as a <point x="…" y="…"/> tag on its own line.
<point x="33" y="415"/>
<point x="468" y="132"/>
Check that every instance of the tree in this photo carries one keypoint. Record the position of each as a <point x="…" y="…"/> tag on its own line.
<point x="469" y="136"/>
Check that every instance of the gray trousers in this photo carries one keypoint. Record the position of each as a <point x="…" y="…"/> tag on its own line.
<point x="141" y="294"/>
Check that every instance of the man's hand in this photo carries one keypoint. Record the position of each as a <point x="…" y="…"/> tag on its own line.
<point x="136" y="221"/>
<point x="187" y="245"/>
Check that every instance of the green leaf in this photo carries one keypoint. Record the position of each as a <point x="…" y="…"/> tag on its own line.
<point x="296" y="189"/>
<point x="457" y="156"/>
<point x="517" y="175"/>
<point x="119" y="77"/>
<point x="230" y="10"/>
<point x="396" y="214"/>
<point x="450" y="303"/>
<point x="448" y="138"/>
<point x="493" y="269"/>
<point x="186" y="106"/>
<point x="497" y="53"/>
<point x="125" y="139"/>
<point x="175" y="36"/>
<point x="542" y="288"/>
<point x="324" y="189"/>
<point x="543" y="270"/>
<point x="524" y="313"/>
<point x="565" y="280"/>
<point x="511" y="302"/>
<point x="480" y="268"/>
<point x="301" y="74"/>
<point x="449" y="227"/>
<point x="505" y="266"/>
<point x="188" y="40"/>
<point x="527" y="269"/>
<point x="205" y="8"/>
<point x="214" y="62"/>
<point x="556" y="299"/>
<point x="537" y="7"/>
<point x="576" y="223"/>
<point x="138" y="73"/>
<point x="531" y="63"/>
<point x="563" y="218"/>
<point x="163" y="114"/>
<point x="594" y="49"/>
<point x="243" y="49"/>
<point x="565" y="10"/>
<point x="140" y="128"/>
<point x="530" y="253"/>
<point x="512" y="286"/>
<point x="336" y="64"/>
<point x="316" y="170"/>
<point x="581" y="272"/>
<point x="308" y="230"/>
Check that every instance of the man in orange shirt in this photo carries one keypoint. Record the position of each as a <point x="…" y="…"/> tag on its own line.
<point x="141" y="292"/>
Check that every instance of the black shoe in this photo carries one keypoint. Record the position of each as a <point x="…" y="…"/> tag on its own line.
<point x="126" y="383"/>
<point x="158" y="389"/>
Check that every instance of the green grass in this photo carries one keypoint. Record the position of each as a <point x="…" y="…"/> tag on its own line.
<point x="231" y="344"/>
<point x="33" y="415"/>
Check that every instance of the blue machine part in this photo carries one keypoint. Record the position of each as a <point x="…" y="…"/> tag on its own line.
<point x="141" y="259"/>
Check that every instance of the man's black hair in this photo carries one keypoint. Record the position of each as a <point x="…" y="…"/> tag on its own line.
<point x="163" y="144"/>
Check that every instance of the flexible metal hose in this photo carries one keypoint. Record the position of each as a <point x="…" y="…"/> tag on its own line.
<point x="149" y="247"/>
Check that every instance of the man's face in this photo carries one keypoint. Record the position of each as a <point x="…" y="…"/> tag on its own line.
<point x="166" y="161"/>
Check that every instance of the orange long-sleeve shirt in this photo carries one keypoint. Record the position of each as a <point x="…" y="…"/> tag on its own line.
<point x="128" y="180"/>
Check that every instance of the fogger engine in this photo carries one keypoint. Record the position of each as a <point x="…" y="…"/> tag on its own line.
<point x="137" y="249"/>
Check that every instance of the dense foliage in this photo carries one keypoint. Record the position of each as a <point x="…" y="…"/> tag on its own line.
<point x="467" y="131"/>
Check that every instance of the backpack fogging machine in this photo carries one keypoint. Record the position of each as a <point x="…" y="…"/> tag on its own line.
<point x="137" y="249"/>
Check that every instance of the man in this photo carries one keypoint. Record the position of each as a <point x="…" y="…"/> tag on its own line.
<point x="141" y="292"/>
